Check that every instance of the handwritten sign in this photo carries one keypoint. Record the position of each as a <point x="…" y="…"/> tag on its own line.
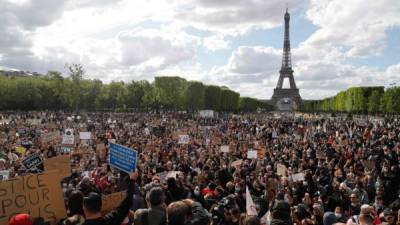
<point x="39" y="195"/>
<point x="60" y="163"/>
<point x="225" y="148"/>
<point x="281" y="170"/>
<point x="298" y="177"/>
<point x="85" y="135"/>
<point x="252" y="154"/>
<point x="237" y="163"/>
<point x="123" y="158"/>
<point x="183" y="139"/>
<point x="112" y="201"/>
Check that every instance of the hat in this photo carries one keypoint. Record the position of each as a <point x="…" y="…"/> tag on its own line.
<point x="21" y="219"/>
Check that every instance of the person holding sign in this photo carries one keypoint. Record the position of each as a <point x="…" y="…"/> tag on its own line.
<point x="92" y="207"/>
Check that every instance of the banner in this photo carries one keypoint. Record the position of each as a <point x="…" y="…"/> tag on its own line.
<point x="85" y="135"/>
<point x="250" y="206"/>
<point x="39" y="195"/>
<point x="122" y="158"/>
<point x="32" y="161"/>
<point x="183" y="139"/>
<point x="225" y="148"/>
<point x="60" y="163"/>
<point x="252" y="154"/>
<point x="111" y="201"/>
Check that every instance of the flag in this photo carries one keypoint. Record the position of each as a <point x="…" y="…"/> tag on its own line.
<point x="250" y="206"/>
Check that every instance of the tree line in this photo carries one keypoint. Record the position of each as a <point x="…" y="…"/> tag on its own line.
<point x="358" y="100"/>
<point x="53" y="91"/>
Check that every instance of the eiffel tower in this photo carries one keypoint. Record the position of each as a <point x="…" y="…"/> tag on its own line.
<point x="286" y="99"/>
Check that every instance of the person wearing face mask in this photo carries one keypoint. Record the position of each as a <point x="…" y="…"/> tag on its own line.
<point x="339" y="215"/>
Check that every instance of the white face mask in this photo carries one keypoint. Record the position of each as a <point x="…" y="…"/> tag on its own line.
<point x="338" y="215"/>
<point x="197" y="193"/>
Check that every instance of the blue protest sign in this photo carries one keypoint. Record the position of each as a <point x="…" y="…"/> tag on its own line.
<point x="122" y="158"/>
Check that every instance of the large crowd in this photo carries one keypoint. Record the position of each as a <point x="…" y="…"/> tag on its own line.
<point x="308" y="170"/>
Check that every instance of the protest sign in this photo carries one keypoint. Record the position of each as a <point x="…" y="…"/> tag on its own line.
<point x="65" y="150"/>
<point x="50" y="137"/>
<point x="281" y="170"/>
<point x="206" y="113"/>
<point x="68" y="137"/>
<point x="298" y="177"/>
<point x="123" y="158"/>
<point x="32" y="161"/>
<point x="112" y="201"/>
<point x="237" y="163"/>
<point x="85" y="135"/>
<point x="4" y="175"/>
<point x="252" y="154"/>
<point x="60" y="163"/>
<point x="163" y="176"/>
<point x="369" y="164"/>
<point x="183" y="139"/>
<point x="39" y="195"/>
<point x="51" y="126"/>
<point x="225" y="148"/>
<point x="173" y="174"/>
<point x="21" y="150"/>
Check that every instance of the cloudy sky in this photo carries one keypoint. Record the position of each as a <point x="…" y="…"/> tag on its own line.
<point x="237" y="43"/>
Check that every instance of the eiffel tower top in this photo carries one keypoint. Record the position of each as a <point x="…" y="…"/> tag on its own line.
<point x="286" y="58"/>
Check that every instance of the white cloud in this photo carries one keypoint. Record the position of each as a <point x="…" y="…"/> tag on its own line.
<point x="234" y="16"/>
<point x="216" y="42"/>
<point x="254" y="60"/>
<point x="125" y="40"/>
<point x="360" y="25"/>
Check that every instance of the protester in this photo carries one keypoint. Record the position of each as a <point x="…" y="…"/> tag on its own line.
<point x="156" y="213"/>
<point x="92" y="207"/>
<point x="320" y="166"/>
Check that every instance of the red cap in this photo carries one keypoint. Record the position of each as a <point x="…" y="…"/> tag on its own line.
<point x="21" y="219"/>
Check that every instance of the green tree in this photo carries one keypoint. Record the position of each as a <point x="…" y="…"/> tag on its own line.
<point x="195" y="95"/>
